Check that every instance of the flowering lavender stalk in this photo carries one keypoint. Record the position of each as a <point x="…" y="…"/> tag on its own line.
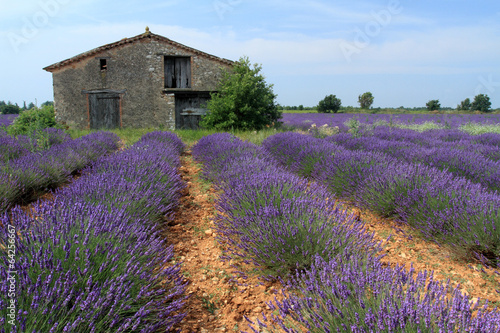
<point x="81" y="266"/>
<point x="10" y="147"/>
<point x="346" y="294"/>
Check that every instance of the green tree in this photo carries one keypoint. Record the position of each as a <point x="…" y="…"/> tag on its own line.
<point x="433" y="105"/>
<point x="329" y="104"/>
<point x="481" y="103"/>
<point x="243" y="100"/>
<point x="9" y="108"/>
<point x="464" y="105"/>
<point x="46" y="103"/>
<point x="366" y="100"/>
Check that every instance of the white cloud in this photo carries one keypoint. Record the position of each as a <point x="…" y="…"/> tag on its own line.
<point x="454" y="50"/>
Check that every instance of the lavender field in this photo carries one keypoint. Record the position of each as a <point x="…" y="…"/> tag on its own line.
<point x="273" y="217"/>
<point x="7" y="119"/>
<point x="479" y="123"/>
<point x="95" y="258"/>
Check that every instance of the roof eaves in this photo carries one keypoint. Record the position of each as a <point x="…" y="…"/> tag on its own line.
<point x="128" y="41"/>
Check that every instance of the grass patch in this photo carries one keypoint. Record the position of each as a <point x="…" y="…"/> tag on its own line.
<point x="477" y="128"/>
<point x="130" y="136"/>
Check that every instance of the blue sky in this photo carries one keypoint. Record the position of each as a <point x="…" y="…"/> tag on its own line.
<point x="405" y="52"/>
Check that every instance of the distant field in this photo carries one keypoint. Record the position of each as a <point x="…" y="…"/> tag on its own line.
<point x="471" y="123"/>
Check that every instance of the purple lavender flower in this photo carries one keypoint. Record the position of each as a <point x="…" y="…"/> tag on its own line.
<point x="90" y="261"/>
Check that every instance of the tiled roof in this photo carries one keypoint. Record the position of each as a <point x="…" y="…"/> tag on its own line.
<point x="132" y="40"/>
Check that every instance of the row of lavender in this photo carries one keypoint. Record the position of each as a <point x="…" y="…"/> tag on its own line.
<point x="475" y="157"/>
<point x="442" y="207"/>
<point x="93" y="260"/>
<point x="13" y="147"/>
<point x="22" y="178"/>
<point x="335" y="282"/>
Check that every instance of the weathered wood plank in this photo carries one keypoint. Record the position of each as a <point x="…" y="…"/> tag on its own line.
<point x="169" y="72"/>
<point x="193" y="112"/>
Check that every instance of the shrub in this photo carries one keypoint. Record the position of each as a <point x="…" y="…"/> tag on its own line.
<point x="243" y="100"/>
<point x="31" y="120"/>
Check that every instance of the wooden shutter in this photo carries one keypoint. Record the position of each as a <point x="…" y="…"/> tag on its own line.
<point x="177" y="72"/>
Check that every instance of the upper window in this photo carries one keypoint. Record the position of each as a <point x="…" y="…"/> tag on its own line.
<point x="104" y="64"/>
<point x="177" y="72"/>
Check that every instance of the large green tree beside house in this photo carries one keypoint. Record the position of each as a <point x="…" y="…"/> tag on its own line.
<point x="243" y="100"/>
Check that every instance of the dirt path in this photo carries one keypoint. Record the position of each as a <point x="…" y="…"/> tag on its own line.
<point x="218" y="304"/>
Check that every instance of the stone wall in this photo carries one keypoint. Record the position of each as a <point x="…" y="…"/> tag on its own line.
<point x="138" y="68"/>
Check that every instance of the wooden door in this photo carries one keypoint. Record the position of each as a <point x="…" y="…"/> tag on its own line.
<point x="184" y="103"/>
<point x="104" y="110"/>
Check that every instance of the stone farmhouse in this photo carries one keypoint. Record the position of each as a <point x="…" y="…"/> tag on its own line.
<point x="143" y="81"/>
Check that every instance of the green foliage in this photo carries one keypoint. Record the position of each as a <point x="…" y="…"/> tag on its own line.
<point x="354" y="127"/>
<point x="243" y="100"/>
<point x="465" y="105"/>
<point x="433" y="105"/>
<point x="329" y="104"/>
<point x="31" y="120"/>
<point x="366" y="100"/>
<point x="478" y="128"/>
<point x="9" y="109"/>
<point x="481" y="103"/>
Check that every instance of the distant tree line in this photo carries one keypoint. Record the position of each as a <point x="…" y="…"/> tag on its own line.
<point x="481" y="103"/>
<point x="333" y="104"/>
<point x="296" y="108"/>
<point x="9" y="108"/>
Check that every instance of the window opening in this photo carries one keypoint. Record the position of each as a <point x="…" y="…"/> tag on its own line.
<point x="103" y="64"/>
<point x="177" y="72"/>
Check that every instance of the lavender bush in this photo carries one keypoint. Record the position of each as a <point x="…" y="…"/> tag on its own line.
<point x="142" y="178"/>
<point x="14" y="147"/>
<point x="94" y="262"/>
<point x="278" y="222"/>
<point x="270" y="217"/>
<point x="346" y="294"/>
<point x="443" y="207"/>
<point x="37" y="172"/>
<point x="463" y="157"/>
<point x="82" y="269"/>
